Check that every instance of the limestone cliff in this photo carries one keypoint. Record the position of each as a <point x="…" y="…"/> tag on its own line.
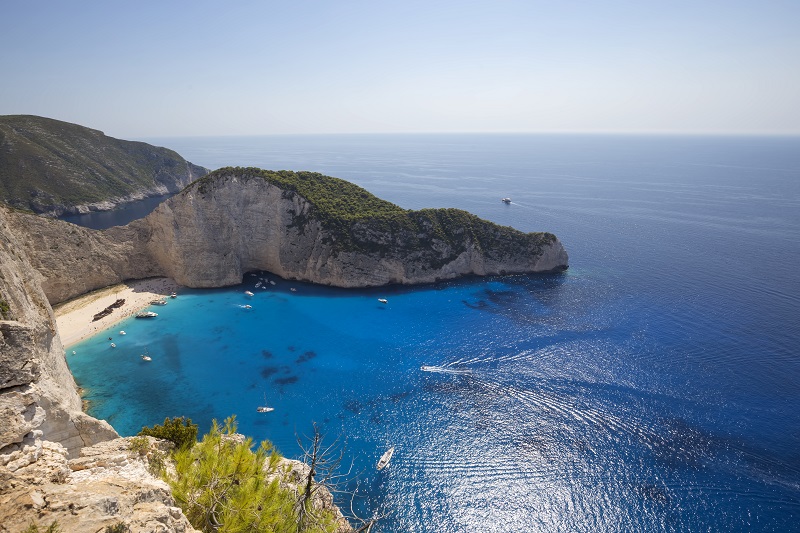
<point x="37" y="393"/>
<point x="316" y="228"/>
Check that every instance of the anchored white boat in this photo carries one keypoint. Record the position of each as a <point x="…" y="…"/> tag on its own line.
<point x="383" y="300"/>
<point x="385" y="458"/>
<point x="264" y="408"/>
<point x="248" y="293"/>
<point x="160" y="301"/>
<point x="146" y="314"/>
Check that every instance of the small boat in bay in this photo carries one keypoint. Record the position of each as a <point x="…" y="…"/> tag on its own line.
<point x="385" y="458"/>
<point x="248" y="293"/>
<point x="264" y="408"/>
<point x="160" y="301"/>
<point x="383" y="300"/>
<point x="146" y="314"/>
<point x="506" y="200"/>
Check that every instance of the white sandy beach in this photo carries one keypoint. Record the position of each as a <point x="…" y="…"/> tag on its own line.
<point x="74" y="317"/>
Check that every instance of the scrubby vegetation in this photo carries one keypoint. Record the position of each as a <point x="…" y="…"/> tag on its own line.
<point x="179" y="430"/>
<point x="5" y="310"/>
<point x="354" y="217"/>
<point x="223" y="485"/>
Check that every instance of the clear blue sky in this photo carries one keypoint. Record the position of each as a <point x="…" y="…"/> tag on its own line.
<point x="166" y="68"/>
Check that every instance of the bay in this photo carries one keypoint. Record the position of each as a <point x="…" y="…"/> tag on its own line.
<point x="654" y="386"/>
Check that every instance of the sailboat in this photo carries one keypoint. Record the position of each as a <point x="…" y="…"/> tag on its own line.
<point x="385" y="458"/>
<point x="264" y="408"/>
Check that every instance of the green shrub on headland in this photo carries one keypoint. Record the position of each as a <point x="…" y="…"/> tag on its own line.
<point x="179" y="430"/>
<point x="222" y="485"/>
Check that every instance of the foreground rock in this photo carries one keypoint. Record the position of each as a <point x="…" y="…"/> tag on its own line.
<point x="107" y="485"/>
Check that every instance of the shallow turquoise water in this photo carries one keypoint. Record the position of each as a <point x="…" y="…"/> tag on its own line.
<point x="655" y="386"/>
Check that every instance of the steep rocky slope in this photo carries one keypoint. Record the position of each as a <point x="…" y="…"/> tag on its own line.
<point x="316" y="228"/>
<point x="53" y="167"/>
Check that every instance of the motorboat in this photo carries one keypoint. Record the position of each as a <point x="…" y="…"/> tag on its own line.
<point x="271" y="282"/>
<point x="122" y="332"/>
<point x="248" y="293"/>
<point x="385" y="458"/>
<point x="173" y="295"/>
<point x="146" y="357"/>
<point x="160" y="301"/>
<point x="383" y="300"/>
<point x="146" y="314"/>
<point x="506" y="200"/>
<point x="113" y="345"/>
<point x="293" y="289"/>
<point x="426" y="368"/>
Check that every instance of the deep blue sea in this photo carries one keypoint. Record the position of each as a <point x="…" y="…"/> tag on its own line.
<point x="654" y="386"/>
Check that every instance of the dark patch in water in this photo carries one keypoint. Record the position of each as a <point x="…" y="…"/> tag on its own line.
<point x="268" y="371"/>
<point x="354" y="406"/>
<point x="286" y="381"/>
<point x="652" y="493"/>
<point x="307" y="356"/>
<point x="291" y="348"/>
<point x="400" y="396"/>
<point x="376" y="419"/>
<point x="266" y="354"/>
<point x="480" y="305"/>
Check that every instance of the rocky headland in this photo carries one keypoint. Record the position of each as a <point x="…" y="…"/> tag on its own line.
<point x="301" y="226"/>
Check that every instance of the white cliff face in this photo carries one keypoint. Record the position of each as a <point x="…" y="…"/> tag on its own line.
<point x="37" y="391"/>
<point x="217" y="230"/>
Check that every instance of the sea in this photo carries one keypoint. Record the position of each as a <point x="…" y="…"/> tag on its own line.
<point x="653" y="386"/>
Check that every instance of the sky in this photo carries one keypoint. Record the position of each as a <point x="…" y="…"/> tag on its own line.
<point x="198" y="68"/>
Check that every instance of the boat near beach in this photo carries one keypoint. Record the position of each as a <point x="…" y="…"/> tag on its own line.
<point x="248" y="293"/>
<point x="385" y="458"/>
<point x="146" y="314"/>
<point x="160" y="301"/>
<point x="383" y="300"/>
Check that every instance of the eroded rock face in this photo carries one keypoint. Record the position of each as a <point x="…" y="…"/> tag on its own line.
<point x="218" y="229"/>
<point x="108" y="484"/>
<point x="37" y="391"/>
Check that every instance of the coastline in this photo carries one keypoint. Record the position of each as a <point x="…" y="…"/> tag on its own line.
<point x="74" y="317"/>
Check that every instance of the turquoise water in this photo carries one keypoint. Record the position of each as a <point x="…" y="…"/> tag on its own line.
<point x="654" y="386"/>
